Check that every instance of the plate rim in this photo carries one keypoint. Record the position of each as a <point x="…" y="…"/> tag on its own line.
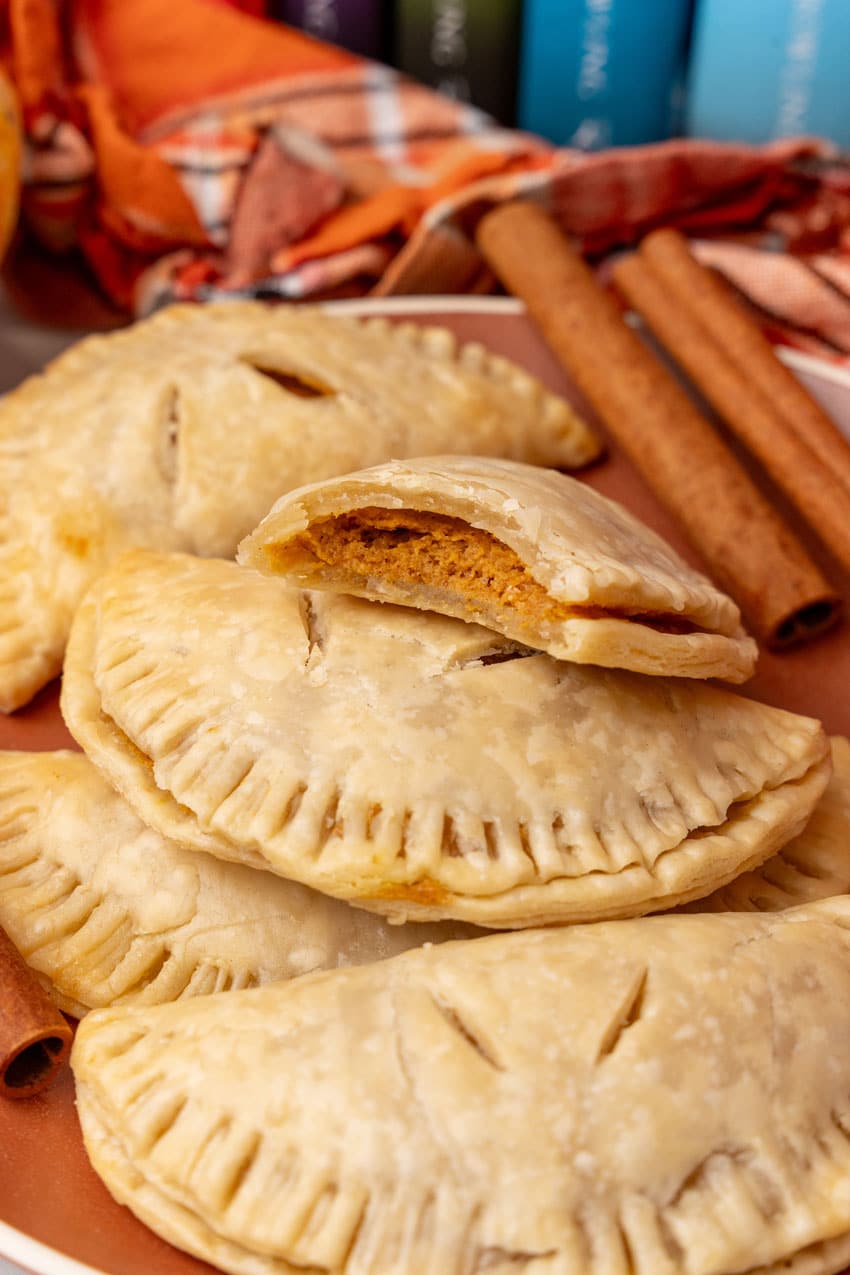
<point x="39" y="1259"/>
<point x="42" y="1259"/>
<point x="432" y="304"/>
<point x="811" y="364"/>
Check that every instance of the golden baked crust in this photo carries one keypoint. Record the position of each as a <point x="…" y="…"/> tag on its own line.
<point x="815" y="865"/>
<point x="178" y="433"/>
<point x="528" y="552"/>
<point x="653" y="1097"/>
<point x="405" y="761"/>
<point x="106" y="911"/>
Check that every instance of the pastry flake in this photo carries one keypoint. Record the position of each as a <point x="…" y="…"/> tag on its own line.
<point x="528" y="552"/>
<point x="417" y="765"/>
<point x="814" y="865"/>
<point x="653" y="1096"/>
<point x="180" y="432"/>
<point x="105" y="910"/>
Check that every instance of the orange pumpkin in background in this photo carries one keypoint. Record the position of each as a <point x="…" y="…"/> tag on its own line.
<point x="10" y="161"/>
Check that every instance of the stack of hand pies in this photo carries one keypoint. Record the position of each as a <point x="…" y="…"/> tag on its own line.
<point x="434" y="697"/>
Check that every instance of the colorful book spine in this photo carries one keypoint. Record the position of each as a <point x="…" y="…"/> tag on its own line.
<point x="597" y="73"/>
<point x="466" y="49"/>
<point x="771" y="68"/>
<point x="355" y="24"/>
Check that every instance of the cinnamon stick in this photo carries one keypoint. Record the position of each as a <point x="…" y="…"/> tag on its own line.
<point x="746" y="545"/>
<point x="725" y="318"/>
<point x="34" y="1037"/>
<point x="797" y="470"/>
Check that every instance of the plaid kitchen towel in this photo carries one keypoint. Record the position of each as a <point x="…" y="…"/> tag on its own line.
<point x="193" y="151"/>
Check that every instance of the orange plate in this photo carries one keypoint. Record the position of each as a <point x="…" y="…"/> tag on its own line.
<point x="48" y="1193"/>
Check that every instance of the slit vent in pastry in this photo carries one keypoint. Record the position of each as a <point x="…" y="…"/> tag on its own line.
<point x="644" y="1097"/>
<point x="179" y="433"/>
<point x="398" y="759"/>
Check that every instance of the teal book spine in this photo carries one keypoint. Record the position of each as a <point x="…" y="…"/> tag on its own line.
<point x="769" y="69"/>
<point x="597" y="73"/>
<point x="467" y="49"/>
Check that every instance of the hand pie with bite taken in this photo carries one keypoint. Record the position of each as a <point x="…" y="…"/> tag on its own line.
<point x="528" y="552"/>
<point x="179" y="432"/>
<point x="814" y="865"/>
<point x="667" y="1096"/>
<point x="105" y="910"/>
<point x="416" y="765"/>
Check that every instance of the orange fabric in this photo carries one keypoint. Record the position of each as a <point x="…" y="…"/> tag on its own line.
<point x="136" y="182"/>
<point x="158" y="55"/>
<point x="194" y="151"/>
<point x="36" y="51"/>
<point x="394" y="206"/>
<point x="358" y="223"/>
<point x="463" y="165"/>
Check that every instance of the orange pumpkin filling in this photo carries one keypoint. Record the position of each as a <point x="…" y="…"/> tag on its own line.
<point x="412" y="548"/>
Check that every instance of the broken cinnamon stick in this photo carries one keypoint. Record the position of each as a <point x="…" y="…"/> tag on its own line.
<point x="745" y="544"/>
<point x="34" y="1037"/>
<point x="725" y="318"/>
<point x="798" y="471"/>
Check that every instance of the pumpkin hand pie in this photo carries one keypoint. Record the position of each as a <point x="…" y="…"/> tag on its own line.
<point x="655" y="1097"/>
<point x="416" y="765"/>
<point x="815" y="865"/>
<point x="179" y="432"/>
<point x="537" y="556"/>
<point x="106" y="911"/>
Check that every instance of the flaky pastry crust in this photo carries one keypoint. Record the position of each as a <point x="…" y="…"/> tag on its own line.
<point x="529" y="552"/>
<point x="416" y="765"/>
<point x="667" y="1096"/>
<point x="814" y="865"/>
<point x="107" y="911"/>
<point x="180" y="432"/>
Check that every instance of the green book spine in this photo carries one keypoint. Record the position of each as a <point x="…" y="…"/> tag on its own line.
<point x="467" y="49"/>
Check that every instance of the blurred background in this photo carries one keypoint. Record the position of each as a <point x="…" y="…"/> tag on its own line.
<point x="595" y="73"/>
<point x="188" y="150"/>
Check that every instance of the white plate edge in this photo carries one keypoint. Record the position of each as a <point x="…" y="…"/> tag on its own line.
<point x="813" y="366"/>
<point x="16" y="1246"/>
<point x="425" y="305"/>
<point x="796" y="359"/>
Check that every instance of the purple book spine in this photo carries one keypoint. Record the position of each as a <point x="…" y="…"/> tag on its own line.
<point x="355" y="24"/>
